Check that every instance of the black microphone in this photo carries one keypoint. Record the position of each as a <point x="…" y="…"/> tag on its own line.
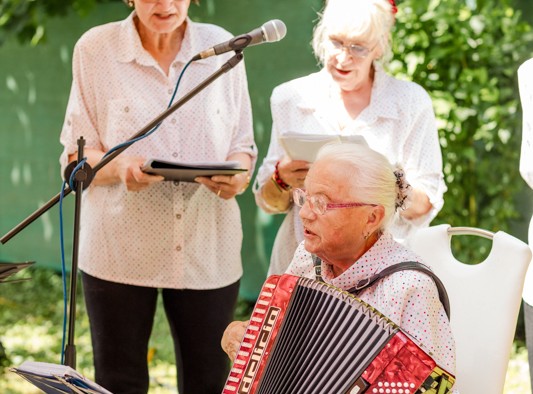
<point x="271" y="31"/>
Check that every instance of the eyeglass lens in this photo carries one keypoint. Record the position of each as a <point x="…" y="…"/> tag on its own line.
<point x="317" y="205"/>
<point x="353" y="49"/>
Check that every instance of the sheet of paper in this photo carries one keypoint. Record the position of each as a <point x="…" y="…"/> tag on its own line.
<point x="305" y="147"/>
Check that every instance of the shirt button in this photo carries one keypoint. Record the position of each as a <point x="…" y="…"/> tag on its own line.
<point x="173" y="120"/>
<point x="178" y="248"/>
<point x="176" y="183"/>
<point x="126" y="109"/>
<point x="178" y="216"/>
<point x="170" y="91"/>
<point x="175" y="154"/>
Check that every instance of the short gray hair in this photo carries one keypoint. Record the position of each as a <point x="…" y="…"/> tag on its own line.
<point x="369" y="175"/>
<point x="366" y="20"/>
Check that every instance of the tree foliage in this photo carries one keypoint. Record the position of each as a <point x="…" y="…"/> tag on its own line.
<point x="466" y="55"/>
<point x="26" y="19"/>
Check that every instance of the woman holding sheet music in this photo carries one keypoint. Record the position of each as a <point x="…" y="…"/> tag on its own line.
<point x="352" y="95"/>
<point x="141" y="237"/>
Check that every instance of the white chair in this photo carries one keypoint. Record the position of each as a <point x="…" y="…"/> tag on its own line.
<point x="527" y="296"/>
<point x="484" y="299"/>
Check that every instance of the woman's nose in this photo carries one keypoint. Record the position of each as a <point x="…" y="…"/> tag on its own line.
<point x="306" y="212"/>
<point x="343" y="57"/>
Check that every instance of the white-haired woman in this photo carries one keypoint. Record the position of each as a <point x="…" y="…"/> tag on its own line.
<point x="352" y="95"/>
<point x="350" y="198"/>
<point x="141" y="237"/>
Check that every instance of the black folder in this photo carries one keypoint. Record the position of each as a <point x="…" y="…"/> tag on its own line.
<point x="186" y="172"/>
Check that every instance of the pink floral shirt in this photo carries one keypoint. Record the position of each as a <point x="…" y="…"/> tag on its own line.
<point x="409" y="298"/>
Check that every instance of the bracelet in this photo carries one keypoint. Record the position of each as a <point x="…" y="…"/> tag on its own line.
<point x="246" y="184"/>
<point x="282" y="186"/>
<point x="276" y="184"/>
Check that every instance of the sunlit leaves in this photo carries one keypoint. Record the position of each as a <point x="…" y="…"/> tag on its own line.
<point x="466" y="55"/>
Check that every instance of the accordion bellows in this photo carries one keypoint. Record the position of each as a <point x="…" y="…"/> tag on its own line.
<point x="308" y="337"/>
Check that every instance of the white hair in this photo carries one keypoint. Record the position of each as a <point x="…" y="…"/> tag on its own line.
<point x="369" y="175"/>
<point x="361" y="20"/>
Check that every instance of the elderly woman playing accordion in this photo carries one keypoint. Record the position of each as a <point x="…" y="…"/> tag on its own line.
<point x="351" y="194"/>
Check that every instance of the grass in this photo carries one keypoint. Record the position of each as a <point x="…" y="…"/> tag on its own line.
<point x="31" y="318"/>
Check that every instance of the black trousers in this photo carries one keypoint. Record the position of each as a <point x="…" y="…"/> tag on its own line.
<point x="121" y="319"/>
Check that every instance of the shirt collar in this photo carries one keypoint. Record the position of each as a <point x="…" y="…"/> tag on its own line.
<point x="366" y="266"/>
<point x="316" y="95"/>
<point x="191" y="44"/>
<point x="383" y="102"/>
<point x="129" y="43"/>
<point x="381" y="94"/>
<point x="130" y="46"/>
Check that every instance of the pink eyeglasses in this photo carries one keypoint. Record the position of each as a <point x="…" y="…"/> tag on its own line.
<point x="319" y="205"/>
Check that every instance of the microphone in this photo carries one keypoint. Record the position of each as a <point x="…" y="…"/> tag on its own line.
<point x="270" y="31"/>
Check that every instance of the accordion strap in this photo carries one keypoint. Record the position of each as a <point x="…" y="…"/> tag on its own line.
<point x="405" y="265"/>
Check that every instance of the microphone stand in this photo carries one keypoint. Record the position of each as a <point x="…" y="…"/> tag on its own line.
<point x="83" y="178"/>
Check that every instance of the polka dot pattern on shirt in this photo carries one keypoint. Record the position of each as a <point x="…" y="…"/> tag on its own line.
<point x="172" y="235"/>
<point x="409" y="298"/>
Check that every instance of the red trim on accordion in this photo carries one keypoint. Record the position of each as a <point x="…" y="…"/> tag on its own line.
<point x="260" y="334"/>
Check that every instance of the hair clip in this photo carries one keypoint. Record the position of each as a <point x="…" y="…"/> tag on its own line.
<point x="403" y="189"/>
<point x="394" y="8"/>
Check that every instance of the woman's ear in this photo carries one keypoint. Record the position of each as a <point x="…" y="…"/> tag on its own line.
<point x="375" y="218"/>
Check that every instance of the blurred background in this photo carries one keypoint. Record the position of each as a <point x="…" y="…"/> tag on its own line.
<point x="464" y="53"/>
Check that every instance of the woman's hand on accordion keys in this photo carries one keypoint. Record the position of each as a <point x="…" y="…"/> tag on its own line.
<point x="231" y="340"/>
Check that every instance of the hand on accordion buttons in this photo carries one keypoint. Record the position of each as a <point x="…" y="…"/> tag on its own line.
<point x="231" y="340"/>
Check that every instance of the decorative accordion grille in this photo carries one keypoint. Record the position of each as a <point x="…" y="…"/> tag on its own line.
<point x="328" y="339"/>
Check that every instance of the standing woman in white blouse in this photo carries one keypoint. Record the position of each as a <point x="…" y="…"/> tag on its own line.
<point x="141" y="237"/>
<point x="352" y="95"/>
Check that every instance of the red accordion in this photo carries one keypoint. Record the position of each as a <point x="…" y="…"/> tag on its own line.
<point x="308" y="337"/>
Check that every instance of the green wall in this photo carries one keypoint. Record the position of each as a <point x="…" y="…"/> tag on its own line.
<point x="34" y="88"/>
